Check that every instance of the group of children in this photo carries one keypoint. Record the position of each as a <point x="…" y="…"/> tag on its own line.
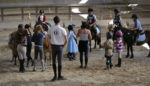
<point x="109" y="46"/>
<point x="72" y="48"/>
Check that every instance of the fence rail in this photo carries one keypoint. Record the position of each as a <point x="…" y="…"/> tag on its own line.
<point x="69" y="13"/>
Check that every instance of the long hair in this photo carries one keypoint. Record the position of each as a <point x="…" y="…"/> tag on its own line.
<point x="38" y="28"/>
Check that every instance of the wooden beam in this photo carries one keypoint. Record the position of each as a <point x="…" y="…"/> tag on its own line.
<point x="56" y="11"/>
<point x="36" y="12"/>
<point x="22" y="14"/>
<point x="69" y="12"/>
<point x="2" y="14"/>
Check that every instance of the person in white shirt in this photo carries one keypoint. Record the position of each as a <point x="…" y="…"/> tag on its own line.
<point x="58" y="39"/>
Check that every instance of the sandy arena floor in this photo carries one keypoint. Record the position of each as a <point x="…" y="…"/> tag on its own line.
<point x="134" y="72"/>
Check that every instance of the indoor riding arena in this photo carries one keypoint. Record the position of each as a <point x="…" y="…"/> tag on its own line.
<point x="127" y="65"/>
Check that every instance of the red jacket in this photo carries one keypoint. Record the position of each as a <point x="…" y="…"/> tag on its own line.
<point x="42" y="20"/>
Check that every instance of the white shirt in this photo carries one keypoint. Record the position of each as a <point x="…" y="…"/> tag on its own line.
<point x="57" y="34"/>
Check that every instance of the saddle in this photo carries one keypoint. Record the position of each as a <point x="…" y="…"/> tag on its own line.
<point x="141" y="38"/>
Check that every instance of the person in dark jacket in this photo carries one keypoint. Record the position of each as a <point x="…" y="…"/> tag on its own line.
<point x="29" y="44"/>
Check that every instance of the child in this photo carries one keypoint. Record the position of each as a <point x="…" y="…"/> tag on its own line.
<point x="29" y="44"/>
<point x="38" y="40"/>
<point x="108" y="45"/>
<point x="119" y="47"/>
<point x="72" y="46"/>
<point x="42" y="17"/>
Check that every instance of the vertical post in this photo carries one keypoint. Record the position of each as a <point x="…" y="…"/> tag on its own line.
<point x="69" y="11"/>
<point x="22" y="14"/>
<point x="2" y="14"/>
<point x="56" y="10"/>
<point x="36" y="12"/>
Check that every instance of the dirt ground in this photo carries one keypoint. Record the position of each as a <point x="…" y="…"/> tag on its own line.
<point x="134" y="72"/>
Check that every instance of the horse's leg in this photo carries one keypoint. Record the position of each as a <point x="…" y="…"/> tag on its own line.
<point x="90" y="46"/>
<point x="131" y="48"/>
<point x="95" y="43"/>
<point x="15" y="57"/>
<point x="128" y="54"/>
<point x="99" y="41"/>
<point x="45" y="55"/>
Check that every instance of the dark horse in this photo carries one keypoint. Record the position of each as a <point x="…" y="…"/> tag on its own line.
<point x="129" y="40"/>
<point x="96" y="37"/>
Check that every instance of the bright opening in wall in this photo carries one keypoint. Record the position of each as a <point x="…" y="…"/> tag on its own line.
<point x="75" y="10"/>
<point x="83" y="1"/>
<point x="84" y="16"/>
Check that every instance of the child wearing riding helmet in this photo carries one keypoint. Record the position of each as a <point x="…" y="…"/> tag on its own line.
<point x="91" y="18"/>
<point x="42" y="17"/>
<point x="119" y="47"/>
<point x="72" y="45"/>
<point x="116" y="22"/>
<point x="108" y="45"/>
<point x="137" y="27"/>
<point x="37" y="38"/>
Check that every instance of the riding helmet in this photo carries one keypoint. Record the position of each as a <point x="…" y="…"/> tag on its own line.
<point x="134" y="16"/>
<point x="27" y="26"/>
<point x="70" y="27"/>
<point x="119" y="33"/>
<point x="116" y="10"/>
<point x="41" y="11"/>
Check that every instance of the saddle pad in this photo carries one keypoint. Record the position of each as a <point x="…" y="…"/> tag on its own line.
<point x="141" y="38"/>
<point x="98" y="30"/>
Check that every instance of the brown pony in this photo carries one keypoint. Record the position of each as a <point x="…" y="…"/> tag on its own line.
<point x="13" y="46"/>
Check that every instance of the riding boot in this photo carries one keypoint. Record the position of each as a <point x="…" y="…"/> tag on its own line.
<point x="60" y="77"/>
<point x="28" y="62"/>
<point x="81" y="62"/>
<point x="43" y="65"/>
<point x="23" y="69"/>
<point x="20" y="68"/>
<point x="111" y="65"/>
<point x="119" y="63"/>
<point x="55" y="72"/>
<point x="59" y="70"/>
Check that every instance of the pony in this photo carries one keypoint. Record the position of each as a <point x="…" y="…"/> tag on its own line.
<point x="13" y="46"/>
<point x="128" y="38"/>
<point x="96" y="36"/>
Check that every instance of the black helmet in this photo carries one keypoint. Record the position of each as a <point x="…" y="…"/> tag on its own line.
<point x="134" y="16"/>
<point x="41" y="11"/>
<point x="27" y="26"/>
<point x="70" y="27"/>
<point x="90" y="10"/>
<point x="116" y="10"/>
